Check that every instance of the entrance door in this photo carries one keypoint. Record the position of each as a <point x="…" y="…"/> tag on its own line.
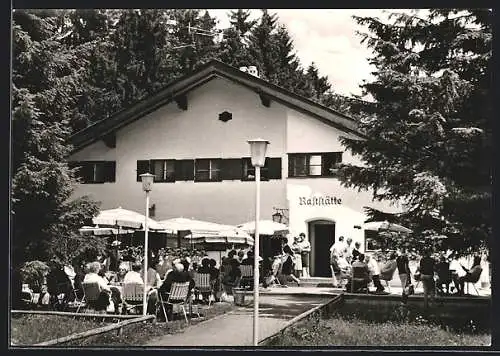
<point x="324" y="237"/>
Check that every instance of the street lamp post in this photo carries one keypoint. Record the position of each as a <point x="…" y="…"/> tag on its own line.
<point x="147" y="184"/>
<point x="258" y="154"/>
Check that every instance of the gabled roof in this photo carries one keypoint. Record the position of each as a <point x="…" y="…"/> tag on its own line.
<point x="212" y="69"/>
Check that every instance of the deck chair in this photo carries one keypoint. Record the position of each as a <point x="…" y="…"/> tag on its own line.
<point x="202" y="284"/>
<point x="473" y="279"/>
<point x="133" y="295"/>
<point x="91" y="292"/>
<point x="178" y="296"/>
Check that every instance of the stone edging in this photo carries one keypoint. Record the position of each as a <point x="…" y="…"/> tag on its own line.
<point x="337" y="299"/>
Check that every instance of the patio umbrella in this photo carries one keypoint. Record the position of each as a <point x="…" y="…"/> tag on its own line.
<point x="185" y="224"/>
<point x="237" y="236"/>
<point x="125" y="219"/>
<point x="385" y="226"/>
<point x="103" y="231"/>
<point x="266" y="227"/>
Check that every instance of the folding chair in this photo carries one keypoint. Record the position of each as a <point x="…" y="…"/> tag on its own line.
<point x="202" y="284"/>
<point x="132" y="295"/>
<point x="358" y="279"/>
<point x="178" y="296"/>
<point x="91" y="292"/>
<point x="246" y="273"/>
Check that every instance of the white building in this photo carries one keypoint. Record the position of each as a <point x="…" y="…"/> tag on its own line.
<point x="193" y="136"/>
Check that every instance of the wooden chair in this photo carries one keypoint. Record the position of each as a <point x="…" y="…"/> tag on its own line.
<point x="132" y="295"/>
<point x="91" y="292"/>
<point x="178" y="296"/>
<point x="202" y="284"/>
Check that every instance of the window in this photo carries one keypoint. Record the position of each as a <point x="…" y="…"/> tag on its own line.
<point x="207" y="170"/>
<point x="231" y="169"/>
<point x="184" y="169"/>
<point x="271" y="169"/>
<point x="163" y="170"/>
<point x="313" y="164"/>
<point x="92" y="172"/>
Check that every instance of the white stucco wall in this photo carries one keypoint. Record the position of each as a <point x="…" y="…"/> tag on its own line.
<point x="171" y="133"/>
<point x="306" y="135"/>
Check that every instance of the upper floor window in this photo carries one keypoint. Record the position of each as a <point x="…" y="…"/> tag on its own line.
<point x="313" y="164"/>
<point x="91" y="172"/>
<point x="207" y="170"/>
<point x="271" y="169"/>
<point x="163" y="170"/>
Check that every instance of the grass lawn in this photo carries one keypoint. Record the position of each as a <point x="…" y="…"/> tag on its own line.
<point x="356" y="332"/>
<point x="31" y="329"/>
<point x="140" y="333"/>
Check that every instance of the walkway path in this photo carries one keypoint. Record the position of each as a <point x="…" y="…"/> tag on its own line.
<point x="236" y="328"/>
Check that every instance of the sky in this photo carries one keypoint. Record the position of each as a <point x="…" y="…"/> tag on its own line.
<point x="328" y="38"/>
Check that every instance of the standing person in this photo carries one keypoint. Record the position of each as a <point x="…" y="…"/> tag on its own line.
<point x="403" y="267"/>
<point x="297" y="256"/>
<point x="334" y="265"/>
<point x="374" y="269"/>
<point x="348" y="252"/>
<point x="305" y="250"/>
<point x="426" y="268"/>
<point x="287" y="268"/>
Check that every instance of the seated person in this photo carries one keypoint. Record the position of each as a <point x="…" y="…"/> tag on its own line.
<point x="134" y="276"/>
<point x="122" y="272"/>
<point x="360" y="275"/>
<point x="472" y="275"/>
<point x="108" y="294"/>
<point x="204" y="269"/>
<point x="248" y="261"/>
<point x="231" y="273"/>
<point x="178" y="274"/>
<point x="388" y="268"/>
<point x="374" y="270"/>
<point x="443" y="275"/>
<point x="153" y="277"/>
<point x="344" y="268"/>
<point x="59" y="286"/>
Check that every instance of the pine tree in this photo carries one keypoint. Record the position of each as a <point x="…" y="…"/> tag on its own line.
<point x="429" y="130"/>
<point x="233" y="49"/>
<point x="45" y="82"/>
<point x="262" y="46"/>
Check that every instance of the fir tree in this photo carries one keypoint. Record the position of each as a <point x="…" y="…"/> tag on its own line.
<point x="45" y="82"/>
<point x="429" y="128"/>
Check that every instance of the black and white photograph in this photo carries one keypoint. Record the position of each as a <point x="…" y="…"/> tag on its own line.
<point x="251" y="178"/>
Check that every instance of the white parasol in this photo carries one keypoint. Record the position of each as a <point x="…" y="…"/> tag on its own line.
<point x="125" y="219"/>
<point x="385" y="226"/>
<point x="266" y="227"/>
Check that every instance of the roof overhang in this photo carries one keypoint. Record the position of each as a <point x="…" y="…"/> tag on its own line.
<point x="177" y="90"/>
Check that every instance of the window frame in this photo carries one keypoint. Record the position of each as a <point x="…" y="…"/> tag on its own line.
<point x="165" y="178"/>
<point x="103" y="165"/>
<point x="210" y="170"/>
<point x="325" y="157"/>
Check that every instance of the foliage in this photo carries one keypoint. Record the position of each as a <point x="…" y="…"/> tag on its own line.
<point x="46" y="81"/>
<point x="33" y="273"/>
<point x="428" y="129"/>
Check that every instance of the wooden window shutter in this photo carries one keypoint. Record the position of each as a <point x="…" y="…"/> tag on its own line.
<point x="142" y="167"/>
<point x="110" y="171"/>
<point x="184" y="169"/>
<point x="231" y="169"/>
<point x="87" y="172"/>
<point x="274" y="168"/>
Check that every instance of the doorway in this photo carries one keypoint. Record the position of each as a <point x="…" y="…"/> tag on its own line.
<point x="322" y="233"/>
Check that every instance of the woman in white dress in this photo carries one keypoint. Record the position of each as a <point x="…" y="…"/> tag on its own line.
<point x="297" y="257"/>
